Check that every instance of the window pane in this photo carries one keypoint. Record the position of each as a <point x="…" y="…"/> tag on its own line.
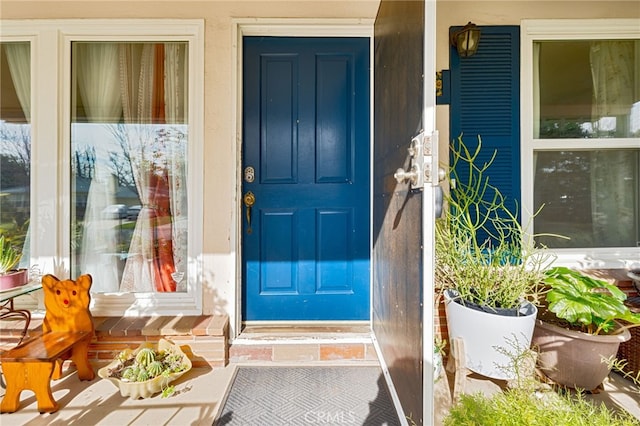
<point x="15" y="145"/>
<point x="129" y="148"/>
<point x="587" y="89"/>
<point x="592" y="197"/>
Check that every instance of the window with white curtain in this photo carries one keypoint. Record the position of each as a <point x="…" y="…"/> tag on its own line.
<point x="127" y="156"/>
<point x="129" y="139"/>
<point x="15" y="146"/>
<point x="581" y="138"/>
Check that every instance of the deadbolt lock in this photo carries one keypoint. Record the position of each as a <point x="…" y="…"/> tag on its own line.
<point x="249" y="174"/>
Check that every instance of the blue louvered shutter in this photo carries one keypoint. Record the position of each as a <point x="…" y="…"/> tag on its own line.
<point x="485" y="101"/>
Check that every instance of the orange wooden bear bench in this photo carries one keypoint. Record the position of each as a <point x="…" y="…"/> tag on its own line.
<point x="67" y="331"/>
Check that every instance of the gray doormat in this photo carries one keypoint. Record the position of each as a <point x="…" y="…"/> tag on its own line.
<point x="336" y="395"/>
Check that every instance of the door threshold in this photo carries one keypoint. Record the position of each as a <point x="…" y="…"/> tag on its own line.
<point x="306" y="343"/>
<point x="301" y="332"/>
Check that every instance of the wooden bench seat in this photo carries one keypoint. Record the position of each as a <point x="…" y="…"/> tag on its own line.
<point x="31" y="365"/>
<point x="46" y="347"/>
<point x="67" y="332"/>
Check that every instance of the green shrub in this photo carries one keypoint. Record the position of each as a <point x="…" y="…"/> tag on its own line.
<point x="520" y="407"/>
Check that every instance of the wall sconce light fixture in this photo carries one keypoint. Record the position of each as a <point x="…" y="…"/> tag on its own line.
<point x="466" y="40"/>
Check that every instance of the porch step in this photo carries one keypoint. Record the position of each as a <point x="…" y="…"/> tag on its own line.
<point x="303" y="344"/>
<point x="203" y="338"/>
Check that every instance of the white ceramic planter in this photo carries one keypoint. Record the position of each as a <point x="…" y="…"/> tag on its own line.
<point x="484" y="335"/>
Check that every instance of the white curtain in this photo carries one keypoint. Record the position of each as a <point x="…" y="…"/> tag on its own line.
<point x="154" y="114"/>
<point x="19" y="61"/>
<point x="176" y="101"/>
<point x="96" y="68"/>
<point x="136" y="76"/>
<point x="612" y="172"/>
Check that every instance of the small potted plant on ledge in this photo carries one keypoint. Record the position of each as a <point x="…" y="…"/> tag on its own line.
<point x="489" y="268"/>
<point x="9" y="258"/>
<point x="578" y="330"/>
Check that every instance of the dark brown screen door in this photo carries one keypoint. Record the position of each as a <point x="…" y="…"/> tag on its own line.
<point x="403" y="214"/>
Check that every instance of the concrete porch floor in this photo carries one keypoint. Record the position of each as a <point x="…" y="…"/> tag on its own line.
<point x="199" y="397"/>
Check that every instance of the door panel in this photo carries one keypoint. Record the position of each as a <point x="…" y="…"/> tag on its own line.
<point x="306" y="133"/>
<point x="279" y="102"/>
<point x="400" y="290"/>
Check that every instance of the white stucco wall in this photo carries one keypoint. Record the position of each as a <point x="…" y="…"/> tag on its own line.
<point x="220" y="154"/>
<point x="220" y="147"/>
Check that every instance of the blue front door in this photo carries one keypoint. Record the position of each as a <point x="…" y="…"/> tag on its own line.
<point x="305" y="179"/>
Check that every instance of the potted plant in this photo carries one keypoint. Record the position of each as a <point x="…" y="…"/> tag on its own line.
<point x="487" y="266"/>
<point x="147" y="370"/>
<point x="579" y="330"/>
<point x="9" y="258"/>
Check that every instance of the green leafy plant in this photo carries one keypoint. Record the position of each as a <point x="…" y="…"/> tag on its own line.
<point x="9" y="256"/>
<point x="482" y="250"/>
<point x="167" y="389"/>
<point x="582" y="301"/>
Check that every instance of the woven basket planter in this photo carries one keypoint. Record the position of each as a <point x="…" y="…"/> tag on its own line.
<point x="630" y="351"/>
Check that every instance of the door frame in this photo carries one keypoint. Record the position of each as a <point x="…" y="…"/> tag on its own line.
<point x="282" y="28"/>
<point x="429" y="201"/>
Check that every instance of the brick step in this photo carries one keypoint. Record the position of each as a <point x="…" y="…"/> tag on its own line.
<point x="203" y="338"/>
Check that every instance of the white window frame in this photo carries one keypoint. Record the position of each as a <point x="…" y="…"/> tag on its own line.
<point x="50" y="141"/>
<point x="569" y="29"/>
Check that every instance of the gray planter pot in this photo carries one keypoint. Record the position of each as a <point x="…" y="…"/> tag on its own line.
<point x="575" y="359"/>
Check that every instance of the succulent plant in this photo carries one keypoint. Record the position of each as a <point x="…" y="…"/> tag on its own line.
<point x="146" y="364"/>
<point x="143" y="375"/>
<point x="155" y="368"/>
<point x="130" y="373"/>
<point x="9" y="256"/>
<point x="145" y="356"/>
<point x="147" y="370"/>
<point x="124" y="355"/>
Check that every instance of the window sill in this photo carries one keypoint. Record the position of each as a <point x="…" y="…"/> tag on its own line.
<point x="623" y="259"/>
